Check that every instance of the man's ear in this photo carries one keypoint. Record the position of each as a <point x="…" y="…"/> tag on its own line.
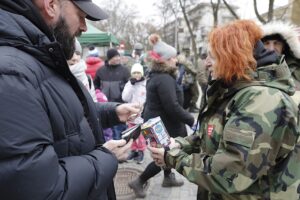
<point x="52" y="8"/>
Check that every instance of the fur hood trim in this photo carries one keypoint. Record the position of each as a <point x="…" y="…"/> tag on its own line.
<point x="287" y="31"/>
<point x="164" y="68"/>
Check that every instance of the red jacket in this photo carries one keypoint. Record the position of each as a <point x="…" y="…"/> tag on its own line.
<point x="93" y="64"/>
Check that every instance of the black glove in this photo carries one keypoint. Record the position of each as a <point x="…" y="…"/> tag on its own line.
<point x="133" y="81"/>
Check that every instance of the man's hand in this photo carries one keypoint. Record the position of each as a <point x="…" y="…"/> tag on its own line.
<point x="119" y="148"/>
<point x="128" y="111"/>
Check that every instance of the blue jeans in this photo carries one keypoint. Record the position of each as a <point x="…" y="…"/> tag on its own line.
<point x="117" y="130"/>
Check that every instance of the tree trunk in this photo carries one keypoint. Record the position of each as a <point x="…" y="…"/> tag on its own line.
<point x="260" y="18"/>
<point x="194" y="46"/>
<point x="215" y="8"/>
<point x="231" y="10"/>
<point x="270" y="13"/>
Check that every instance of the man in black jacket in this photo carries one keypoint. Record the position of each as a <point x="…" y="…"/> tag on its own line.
<point x="51" y="141"/>
<point x="111" y="80"/>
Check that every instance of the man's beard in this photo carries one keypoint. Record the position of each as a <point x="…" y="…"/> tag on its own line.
<point x="64" y="37"/>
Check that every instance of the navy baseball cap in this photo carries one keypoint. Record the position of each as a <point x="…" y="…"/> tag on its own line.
<point x="93" y="11"/>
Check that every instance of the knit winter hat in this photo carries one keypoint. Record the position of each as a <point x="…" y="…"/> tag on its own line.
<point x="138" y="46"/>
<point x="112" y="53"/>
<point x="93" y="52"/>
<point x="137" y="67"/>
<point x="161" y="50"/>
<point x="78" y="47"/>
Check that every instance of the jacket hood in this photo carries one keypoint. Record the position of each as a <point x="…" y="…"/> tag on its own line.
<point x="163" y="68"/>
<point x="27" y="9"/>
<point x="93" y="60"/>
<point x="20" y="33"/>
<point x="287" y="32"/>
<point x="272" y="71"/>
<point x="34" y="38"/>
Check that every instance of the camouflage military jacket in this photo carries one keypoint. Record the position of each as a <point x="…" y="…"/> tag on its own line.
<point x="246" y="147"/>
<point x="294" y="66"/>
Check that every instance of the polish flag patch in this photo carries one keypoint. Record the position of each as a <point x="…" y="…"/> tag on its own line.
<point x="210" y="130"/>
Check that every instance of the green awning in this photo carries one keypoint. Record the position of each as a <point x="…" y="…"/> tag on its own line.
<point x="97" y="37"/>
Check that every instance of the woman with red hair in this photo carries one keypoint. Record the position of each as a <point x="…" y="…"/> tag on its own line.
<point x="246" y="146"/>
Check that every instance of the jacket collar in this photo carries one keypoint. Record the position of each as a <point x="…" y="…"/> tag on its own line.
<point x="27" y="9"/>
<point x="272" y="71"/>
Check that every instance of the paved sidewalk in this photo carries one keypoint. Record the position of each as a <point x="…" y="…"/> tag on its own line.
<point x="155" y="190"/>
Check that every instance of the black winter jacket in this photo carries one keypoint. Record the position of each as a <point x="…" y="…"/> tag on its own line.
<point x="50" y="136"/>
<point x="111" y="81"/>
<point x="165" y="99"/>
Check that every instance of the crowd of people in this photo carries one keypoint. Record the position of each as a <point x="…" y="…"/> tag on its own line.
<point x="62" y="115"/>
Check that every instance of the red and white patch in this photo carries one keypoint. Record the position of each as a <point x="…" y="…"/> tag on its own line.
<point x="210" y="130"/>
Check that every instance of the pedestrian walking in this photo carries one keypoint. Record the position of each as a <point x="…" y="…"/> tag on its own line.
<point x="111" y="80"/>
<point x="164" y="99"/>
<point x="135" y="92"/>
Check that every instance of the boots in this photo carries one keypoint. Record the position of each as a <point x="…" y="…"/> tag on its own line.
<point x="140" y="158"/>
<point x="170" y="181"/>
<point x="132" y="156"/>
<point x="137" y="186"/>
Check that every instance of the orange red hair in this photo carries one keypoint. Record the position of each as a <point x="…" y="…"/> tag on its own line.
<point x="232" y="46"/>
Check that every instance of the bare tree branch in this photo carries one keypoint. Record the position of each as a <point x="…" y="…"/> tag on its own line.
<point x="215" y="8"/>
<point x="182" y="4"/>
<point x="271" y="10"/>
<point x="165" y="12"/>
<point x="259" y="17"/>
<point x="121" y="25"/>
<point x="286" y="9"/>
<point x="231" y="10"/>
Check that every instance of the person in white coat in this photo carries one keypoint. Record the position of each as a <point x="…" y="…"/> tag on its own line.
<point x="135" y="92"/>
<point x="78" y="66"/>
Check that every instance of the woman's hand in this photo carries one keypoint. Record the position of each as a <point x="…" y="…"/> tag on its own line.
<point x="158" y="153"/>
<point x="174" y="144"/>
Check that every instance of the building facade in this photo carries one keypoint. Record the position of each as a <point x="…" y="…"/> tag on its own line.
<point x="201" y="19"/>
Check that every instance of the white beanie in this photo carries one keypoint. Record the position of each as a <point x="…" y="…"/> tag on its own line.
<point x="93" y="52"/>
<point x="137" y="67"/>
<point x="164" y="50"/>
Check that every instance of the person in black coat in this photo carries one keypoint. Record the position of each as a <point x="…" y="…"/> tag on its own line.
<point x="164" y="99"/>
<point x="51" y="141"/>
<point x="111" y="80"/>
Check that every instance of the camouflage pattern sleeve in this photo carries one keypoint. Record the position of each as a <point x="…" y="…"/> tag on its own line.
<point x="258" y="133"/>
<point x="202" y="74"/>
<point x="190" y="67"/>
<point x="189" y="144"/>
<point x="188" y="64"/>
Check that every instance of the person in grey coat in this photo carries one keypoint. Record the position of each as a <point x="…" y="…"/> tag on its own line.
<point x="51" y="140"/>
